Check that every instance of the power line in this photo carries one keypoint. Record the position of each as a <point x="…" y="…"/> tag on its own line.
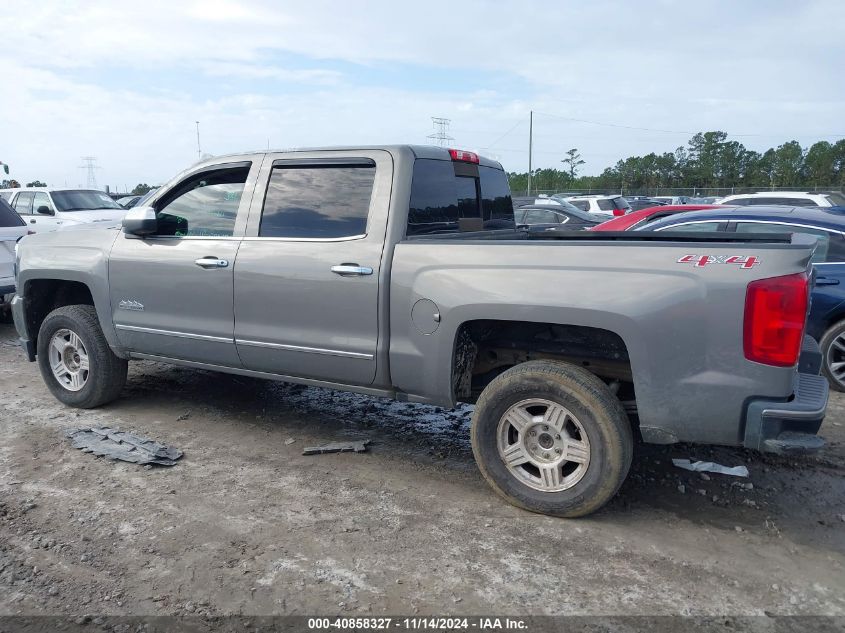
<point x="648" y="129"/>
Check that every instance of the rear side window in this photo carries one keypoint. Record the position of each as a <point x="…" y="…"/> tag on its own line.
<point x="836" y="199"/>
<point x="23" y="202"/>
<point x="584" y="205"/>
<point x="318" y="201"/>
<point x="449" y="197"/>
<point x="821" y="254"/>
<point x="742" y="202"/>
<point x="606" y="205"/>
<point x="8" y="216"/>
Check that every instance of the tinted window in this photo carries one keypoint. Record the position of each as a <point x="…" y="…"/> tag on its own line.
<point x="742" y="202"/>
<point x="801" y="202"/>
<point x="605" y="205"/>
<point x="762" y="227"/>
<point x="537" y="216"/>
<point x="41" y="200"/>
<point x="698" y="227"/>
<point x="203" y="205"/>
<point x="318" y="201"/>
<point x="8" y="216"/>
<point x="496" y="202"/>
<point x="583" y="205"/>
<point x="83" y="200"/>
<point x="23" y="202"/>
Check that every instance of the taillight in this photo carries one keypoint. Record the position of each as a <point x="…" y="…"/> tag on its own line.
<point x="463" y="156"/>
<point x="618" y="212"/>
<point x="775" y="312"/>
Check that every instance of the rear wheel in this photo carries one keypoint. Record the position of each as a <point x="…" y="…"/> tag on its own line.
<point x="550" y="437"/>
<point x="75" y="359"/>
<point x="833" y="353"/>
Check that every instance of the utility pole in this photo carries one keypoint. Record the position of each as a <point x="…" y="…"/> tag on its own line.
<point x="89" y="163"/>
<point x="530" y="147"/>
<point x="441" y="131"/>
<point x="199" y="151"/>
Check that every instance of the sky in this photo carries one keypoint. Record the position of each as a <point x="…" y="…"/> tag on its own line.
<point x="126" y="82"/>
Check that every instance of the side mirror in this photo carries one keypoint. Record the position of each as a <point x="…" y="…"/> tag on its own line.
<point x="45" y="210"/>
<point x="140" y="221"/>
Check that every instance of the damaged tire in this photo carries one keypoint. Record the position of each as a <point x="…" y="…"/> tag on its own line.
<point x="75" y="359"/>
<point x="551" y="438"/>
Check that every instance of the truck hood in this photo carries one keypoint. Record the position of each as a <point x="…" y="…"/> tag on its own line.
<point x="95" y="215"/>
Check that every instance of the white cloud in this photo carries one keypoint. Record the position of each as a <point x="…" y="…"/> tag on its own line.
<point x="770" y="68"/>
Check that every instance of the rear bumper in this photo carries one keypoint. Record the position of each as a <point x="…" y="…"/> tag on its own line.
<point x="790" y="427"/>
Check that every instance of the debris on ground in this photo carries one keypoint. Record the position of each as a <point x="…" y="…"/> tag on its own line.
<point x="116" y="444"/>
<point x="711" y="467"/>
<point x="359" y="446"/>
<point x="184" y="416"/>
<point x="289" y="441"/>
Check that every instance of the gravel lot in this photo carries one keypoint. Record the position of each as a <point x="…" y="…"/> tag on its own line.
<point x="245" y="524"/>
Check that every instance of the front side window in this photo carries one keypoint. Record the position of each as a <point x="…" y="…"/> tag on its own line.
<point x="23" y="202"/>
<point x="41" y="200"/>
<point x="318" y="201"/>
<point x="204" y="205"/>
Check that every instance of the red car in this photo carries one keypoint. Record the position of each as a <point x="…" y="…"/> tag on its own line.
<point x="625" y="222"/>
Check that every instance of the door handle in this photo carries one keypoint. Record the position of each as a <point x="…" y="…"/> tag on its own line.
<point x="826" y="281"/>
<point x="352" y="270"/>
<point x="211" y="262"/>
<point x="32" y="221"/>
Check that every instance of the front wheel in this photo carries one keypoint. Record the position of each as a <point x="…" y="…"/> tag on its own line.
<point x="833" y="353"/>
<point x="75" y="359"/>
<point x="551" y="438"/>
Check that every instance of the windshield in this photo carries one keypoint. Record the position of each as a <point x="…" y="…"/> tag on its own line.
<point x="83" y="200"/>
<point x="572" y="209"/>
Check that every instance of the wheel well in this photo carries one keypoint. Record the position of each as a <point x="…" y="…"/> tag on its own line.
<point x="45" y="295"/>
<point x="485" y="348"/>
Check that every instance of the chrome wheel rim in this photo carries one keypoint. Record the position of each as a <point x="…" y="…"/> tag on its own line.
<point x="835" y="359"/>
<point x="543" y="445"/>
<point x="69" y="360"/>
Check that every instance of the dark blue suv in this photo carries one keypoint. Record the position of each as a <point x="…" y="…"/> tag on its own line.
<point x="826" y="322"/>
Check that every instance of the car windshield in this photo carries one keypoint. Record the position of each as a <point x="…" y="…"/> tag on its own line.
<point x="83" y="200"/>
<point x="571" y="209"/>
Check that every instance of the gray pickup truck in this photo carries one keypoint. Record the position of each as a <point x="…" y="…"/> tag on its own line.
<point x="397" y="271"/>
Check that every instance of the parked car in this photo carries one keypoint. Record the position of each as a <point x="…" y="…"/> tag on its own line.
<point x="127" y="202"/>
<point x="615" y="205"/>
<point x="826" y="322"/>
<point x="398" y="271"/>
<point x="547" y="217"/>
<point x="12" y="229"/>
<point x="636" y="219"/>
<point x="789" y="198"/>
<point x="45" y="209"/>
<point x="641" y="202"/>
<point x="674" y="200"/>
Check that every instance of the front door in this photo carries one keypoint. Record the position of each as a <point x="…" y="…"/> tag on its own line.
<point x="171" y="293"/>
<point x="307" y="274"/>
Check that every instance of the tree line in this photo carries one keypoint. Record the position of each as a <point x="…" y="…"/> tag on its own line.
<point x="708" y="161"/>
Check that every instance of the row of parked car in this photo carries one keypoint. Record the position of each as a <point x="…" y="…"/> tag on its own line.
<point x="821" y="215"/>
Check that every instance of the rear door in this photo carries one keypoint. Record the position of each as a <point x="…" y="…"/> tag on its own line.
<point x="307" y="273"/>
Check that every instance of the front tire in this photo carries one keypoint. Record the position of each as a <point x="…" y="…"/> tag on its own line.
<point x="833" y="356"/>
<point x="551" y="438"/>
<point x="75" y="359"/>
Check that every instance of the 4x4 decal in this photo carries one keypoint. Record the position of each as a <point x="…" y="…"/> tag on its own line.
<point x="699" y="261"/>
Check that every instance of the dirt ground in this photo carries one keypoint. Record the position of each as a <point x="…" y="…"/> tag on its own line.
<point x="245" y="524"/>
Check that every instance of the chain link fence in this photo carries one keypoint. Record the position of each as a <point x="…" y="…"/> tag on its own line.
<point x="689" y="192"/>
